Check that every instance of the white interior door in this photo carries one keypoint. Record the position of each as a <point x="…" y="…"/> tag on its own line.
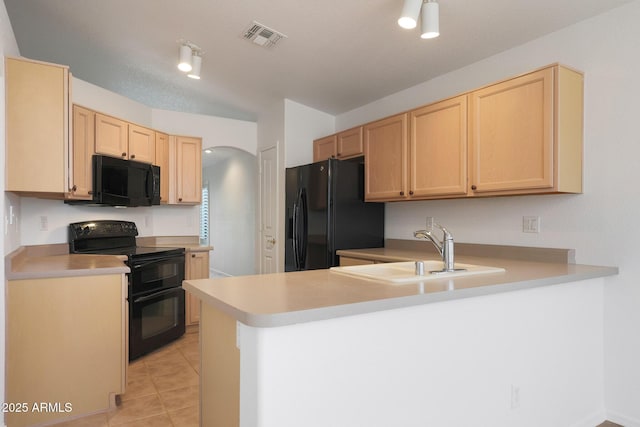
<point x="269" y="210"/>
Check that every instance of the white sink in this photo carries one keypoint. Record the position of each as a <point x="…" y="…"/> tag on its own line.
<point x="405" y="272"/>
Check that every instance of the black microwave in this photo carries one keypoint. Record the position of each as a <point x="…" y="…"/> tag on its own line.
<point x="120" y="182"/>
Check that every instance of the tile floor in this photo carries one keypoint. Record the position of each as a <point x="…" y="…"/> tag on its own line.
<point x="162" y="390"/>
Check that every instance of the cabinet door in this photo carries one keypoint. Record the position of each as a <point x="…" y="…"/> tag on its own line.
<point x="197" y="268"/>
<point x="385" y="150"/>
<point x="511" y="135"/>
<point x="324" y="148"/>
<point x="438" y="149"/>
<point x="162" y="160"/>
<point x="87" y="366"/>
<point x="350" y="143"/>
<point x="142" y="144"/>
<point x="82" y="148"/>
<point x="189" y="170"/>
<point x="111" y="136"/>
<point x="37" y="126"/>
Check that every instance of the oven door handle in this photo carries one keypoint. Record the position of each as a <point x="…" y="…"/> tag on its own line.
<point x="155" y="295"/>
<point x="137" y="266"/>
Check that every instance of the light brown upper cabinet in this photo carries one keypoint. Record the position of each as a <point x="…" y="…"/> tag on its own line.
<point x="325" y="148"/>
<point x="37" y="127"/>
<point x="81" y="171"/>
<point x="142" y="144"/>
<point x="112" y="136"/>
<point x="350" y="143"/>
<point x="385" y="151"/>
<point x="526" y="134"/>
<point x="342" y="145"/>
<point x="162" y="160"/>
<point x="118" y="138"/>
<point x="438" y="149"/>
<point x="188" y="170"/>
<point x="428" y="162"/>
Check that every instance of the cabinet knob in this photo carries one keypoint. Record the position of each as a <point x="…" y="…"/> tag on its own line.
<point x="74" y="188"/>
<point x="124" y="154"/>
<point x="180" y="199"/>
<point x="133" y="156"/>
<point x="193" y="255"/>
<point x="339" y="154"/>
<point x="402" y="193"/>
<point x="473" y="187"/>
<point x="411" y="192"/>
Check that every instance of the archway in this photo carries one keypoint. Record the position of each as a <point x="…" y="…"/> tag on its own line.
<point x="229" y="176"/>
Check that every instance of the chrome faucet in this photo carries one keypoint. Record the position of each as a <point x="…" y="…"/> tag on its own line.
<point x="444" y="247"/>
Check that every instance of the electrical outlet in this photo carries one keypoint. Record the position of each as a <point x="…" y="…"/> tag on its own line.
<point x="530" y="224"/>
<point x="515" y="396"/>
<point x="44" y="223"/>
<point x="429" y="223"/>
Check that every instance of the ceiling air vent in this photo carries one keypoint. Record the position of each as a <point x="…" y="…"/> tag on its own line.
<point x="262" y="35"/>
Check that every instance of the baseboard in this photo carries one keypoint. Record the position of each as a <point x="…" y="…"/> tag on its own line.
<point x="213" y="273"/>
<point x="622" y="420"/>
<point x="591" y="421"/>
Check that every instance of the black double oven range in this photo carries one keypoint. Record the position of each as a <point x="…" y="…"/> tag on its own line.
<point x="156" y="297"/>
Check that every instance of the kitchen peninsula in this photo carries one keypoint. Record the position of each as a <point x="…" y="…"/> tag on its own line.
<point x="319" y="348"/>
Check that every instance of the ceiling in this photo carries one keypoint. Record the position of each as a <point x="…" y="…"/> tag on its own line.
<point x="338" y="54"/>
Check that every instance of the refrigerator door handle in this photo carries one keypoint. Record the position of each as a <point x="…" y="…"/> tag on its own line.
<point x="305" y="228"/>
<point x="294" y="237"/>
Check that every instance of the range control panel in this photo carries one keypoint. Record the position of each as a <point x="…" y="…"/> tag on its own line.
<point x="101" y="228"/>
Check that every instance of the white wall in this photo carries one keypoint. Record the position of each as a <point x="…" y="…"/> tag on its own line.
<point x="215" y="131"/>
<point x="452" y="363"/>
<point x="600" y="224"/>
<point x="107" y="102"/>
<point x="232" y="212"/>
<point x="302" y="125"/>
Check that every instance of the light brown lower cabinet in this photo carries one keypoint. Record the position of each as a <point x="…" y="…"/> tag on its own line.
<point x="197" y="267"/>
<point x="66" y="347"/>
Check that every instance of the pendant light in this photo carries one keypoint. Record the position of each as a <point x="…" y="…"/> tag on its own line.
<point x="185" y="58"/>
<point x="429" y="24"/>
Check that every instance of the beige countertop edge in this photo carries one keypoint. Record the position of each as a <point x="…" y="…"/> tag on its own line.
<point x="54" y="260"/>
<point x="190" y="243"/>
<point x="218" y="293"/>
<point x="67" y="265"/>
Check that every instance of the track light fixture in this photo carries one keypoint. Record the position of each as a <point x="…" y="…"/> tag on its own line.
<point x="185" y="58"/>
<point x="196" y="63"/>
<point x="429" y="11"/>
<point x="190" y="59"/>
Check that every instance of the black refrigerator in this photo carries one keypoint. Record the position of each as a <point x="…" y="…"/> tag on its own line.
<point x="326" y="212"/>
